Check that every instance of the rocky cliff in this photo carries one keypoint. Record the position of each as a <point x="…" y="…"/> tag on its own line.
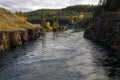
<point x="105" y="27"/>
<point x="15" y="31"/>
<point x="10" y="39"/>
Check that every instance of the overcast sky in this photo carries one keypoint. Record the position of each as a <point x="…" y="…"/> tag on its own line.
<point x="28" y="5"/>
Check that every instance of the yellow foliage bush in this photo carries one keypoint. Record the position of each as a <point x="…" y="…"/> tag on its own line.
<point x="49" y="29"/>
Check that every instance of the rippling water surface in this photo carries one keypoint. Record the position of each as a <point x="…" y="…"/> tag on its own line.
<point x="59" y="56"/>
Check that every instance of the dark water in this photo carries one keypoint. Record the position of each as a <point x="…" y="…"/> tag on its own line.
<point x="59" y="56"/>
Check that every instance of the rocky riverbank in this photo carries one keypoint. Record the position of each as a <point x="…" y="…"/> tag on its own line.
<point x="15" y="31"/>
<point x="10" y="39"/>
<point x="105" y="27"/>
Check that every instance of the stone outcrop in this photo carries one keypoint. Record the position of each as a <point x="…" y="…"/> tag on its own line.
<point x="15" y="30"/>
<point x="105" y="27"/>
<point x="11" y="39"/>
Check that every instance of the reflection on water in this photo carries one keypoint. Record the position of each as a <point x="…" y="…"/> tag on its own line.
<point x="43" y="40"/>
<point x="60" y="56"/>
<point x="55" y="35"/>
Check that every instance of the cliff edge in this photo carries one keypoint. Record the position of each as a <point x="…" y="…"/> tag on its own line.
<point x="105" y="27"/>
<point x="15" y="31"/>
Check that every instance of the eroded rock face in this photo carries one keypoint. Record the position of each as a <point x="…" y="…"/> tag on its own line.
<point x="10" y="39"/>
<point x="105" y="28"/>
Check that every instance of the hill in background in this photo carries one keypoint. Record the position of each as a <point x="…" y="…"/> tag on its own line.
<point x="10" y="21"/>
<point x="66" y="16"/>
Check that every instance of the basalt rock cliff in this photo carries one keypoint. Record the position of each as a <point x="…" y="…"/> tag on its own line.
<point x="105" y="28"/>
<point x="15" y="31"/>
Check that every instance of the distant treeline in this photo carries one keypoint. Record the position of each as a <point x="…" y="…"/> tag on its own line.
<point x="69" y="15"/>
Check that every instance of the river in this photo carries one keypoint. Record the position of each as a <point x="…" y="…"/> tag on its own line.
<point x="59" y="56"/>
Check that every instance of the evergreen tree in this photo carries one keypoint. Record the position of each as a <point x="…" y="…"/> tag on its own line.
<point x="43" y="21"/>
<point x="110" y="5"/>
<point x="22" y="15"/>
<point x="55" y="22"/>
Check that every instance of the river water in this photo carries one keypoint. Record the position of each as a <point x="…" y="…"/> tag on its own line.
<point x="59" y="56"/>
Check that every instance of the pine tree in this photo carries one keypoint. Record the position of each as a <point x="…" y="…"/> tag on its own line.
<point x="110" y="5"/>
<point x="55" y="22"/>
<point x="43" y="21"/>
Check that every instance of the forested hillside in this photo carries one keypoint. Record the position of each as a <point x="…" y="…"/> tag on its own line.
<point x="70" y="15"/>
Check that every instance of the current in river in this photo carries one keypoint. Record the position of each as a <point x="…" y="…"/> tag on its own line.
<point x="59" y="56"/>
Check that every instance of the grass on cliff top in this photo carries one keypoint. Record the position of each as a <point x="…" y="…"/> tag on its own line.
<point x="10" y="21"/>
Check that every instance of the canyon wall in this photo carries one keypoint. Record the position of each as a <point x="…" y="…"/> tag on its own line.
<point x="105" y="28"/>
<point x="11" y="39"/>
